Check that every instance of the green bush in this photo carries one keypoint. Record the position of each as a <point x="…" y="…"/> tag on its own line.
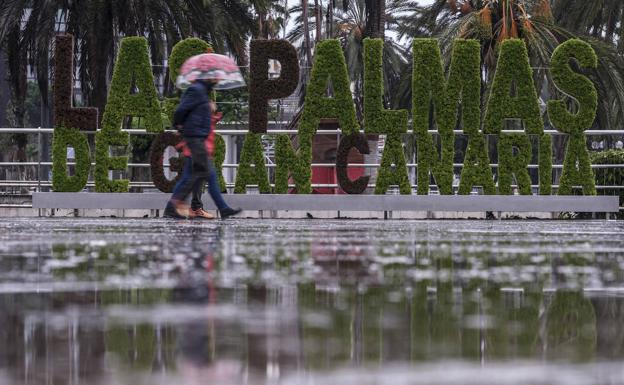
<point x="461" y="93"/>
<point x="348" y="142"/>
<point x="183" y="50"/>
<point x="104" y="162"/>
<point x="610" y="176"/>
<point x="84" y="118"/>
<point x="513" y="71"/>
<point x="378" y="120"/>
<point x="545" y="164"/>
<point x="169" y="106"/>
<point x="330" y="65"/>
<point x="510" y="165"/>
<point x="132" y="69"/>
<point x="219" y="158"/>
<point x="577" y="169"/>
<point x="64" y="137"/>
<point x="261" y="88"/>
<point x="575" y="86"/>
<point x="387" y="176"/>
<point x="289" y="163"/>
<point x="252" y="153"/>
<point x="477" y="170"/>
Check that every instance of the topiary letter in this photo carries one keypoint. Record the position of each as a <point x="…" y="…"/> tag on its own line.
<point x="513" y="75"/>
<point x="252" y="153"/>
<point x="510" y="165"/>
<point x="348" y="142"/>
<point x="329" y="64"/>
<point x="63" y="138"/>
<point x="261" y="88"/>
<point x="84" y="118"/>
<point x="433" y="95"/>
<point x="584" y="92"/>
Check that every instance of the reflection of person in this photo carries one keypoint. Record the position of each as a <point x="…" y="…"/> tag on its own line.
<point x="193" y="118"/>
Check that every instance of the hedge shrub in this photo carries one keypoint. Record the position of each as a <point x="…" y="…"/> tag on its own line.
<point x="577" y="169"/>
<point x="348" y="142"/>
<point x="159" y="144"/>
<point x="575" y="85"/>
<point x="386" y="175"/>
<point x="289" y="163"/>
<point x="219" y="158"/>
<point x="104" y="139"/>
<point x="169" y="106"/>
<point x="261" y="88"/>
<point x="609" y="176"/>
<point x="84" y="118"/>
<point x="63" y="138"/>
<point x="132" y="69"/>
<point x="433" y="94"/>
<point x="183" y="50"/>
<point x="476" y="170"/>
<point x="510" y="164"/>
<point x="545" y="164"/>
<point x="329" y="64"/>
<point x="378" y="120"/>
<point x="252" y="153"/>
<point x="513" y="72"/>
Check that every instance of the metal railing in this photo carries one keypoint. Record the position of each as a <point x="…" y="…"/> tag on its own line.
<point x="41" y="182"/>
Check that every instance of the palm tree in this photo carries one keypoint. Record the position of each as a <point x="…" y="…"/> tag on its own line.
<point x="27" y="30"/>
<point x="351" y="26"/>
<point x="492" y="21"/>
<point x="599" y="19"/>
<point x="98" y="26"/>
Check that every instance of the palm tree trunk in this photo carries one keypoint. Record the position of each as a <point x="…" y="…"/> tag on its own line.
<point x="329" y="23"/>
<point x="318" y="17"/>
<point x="16" y="60"/>
<point x="375" y="18"/>
<point x="306" y="32"/>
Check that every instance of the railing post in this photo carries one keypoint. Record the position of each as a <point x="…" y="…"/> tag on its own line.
<point x="39" y="157"/>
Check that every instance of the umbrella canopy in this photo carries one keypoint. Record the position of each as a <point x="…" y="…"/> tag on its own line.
<point x="211" y="66"/>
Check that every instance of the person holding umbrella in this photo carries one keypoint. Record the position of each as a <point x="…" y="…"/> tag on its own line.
<point x="200" y="75"/>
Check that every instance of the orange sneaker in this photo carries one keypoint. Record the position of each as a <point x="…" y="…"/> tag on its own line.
<point x="200" y="214"/>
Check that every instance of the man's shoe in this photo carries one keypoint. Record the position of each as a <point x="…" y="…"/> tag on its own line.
<point x="228" y="212"/>
<point x="201" y="214"/>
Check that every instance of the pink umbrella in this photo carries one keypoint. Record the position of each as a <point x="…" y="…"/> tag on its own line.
<point x="211" y="66"/>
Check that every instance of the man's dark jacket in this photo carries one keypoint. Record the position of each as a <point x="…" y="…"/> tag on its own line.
<point x="194" y="112"/>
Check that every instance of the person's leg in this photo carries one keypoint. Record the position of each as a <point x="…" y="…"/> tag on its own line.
<point x="198" y="174"/>
<point x="213" y="187"/>
<point x="215" y="193"/>
<point x="196" y="202"/>
<point x="187" y="170"/>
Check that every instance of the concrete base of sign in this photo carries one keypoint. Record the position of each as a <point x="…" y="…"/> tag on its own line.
<point x="334" y="206"/>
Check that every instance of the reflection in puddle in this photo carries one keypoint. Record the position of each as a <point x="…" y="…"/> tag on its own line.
<point x="311" y="302"/>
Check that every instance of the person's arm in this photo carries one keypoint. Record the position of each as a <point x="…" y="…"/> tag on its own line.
<point x="191" y="99"/>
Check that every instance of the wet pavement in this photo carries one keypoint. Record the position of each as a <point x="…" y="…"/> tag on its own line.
<point x="148" y="301"/>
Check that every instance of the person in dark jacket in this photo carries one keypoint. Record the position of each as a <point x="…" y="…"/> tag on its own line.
<point x="193" y="119"/>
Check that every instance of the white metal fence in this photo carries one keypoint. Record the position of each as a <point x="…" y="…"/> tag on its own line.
<point x="34" y="175"/>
